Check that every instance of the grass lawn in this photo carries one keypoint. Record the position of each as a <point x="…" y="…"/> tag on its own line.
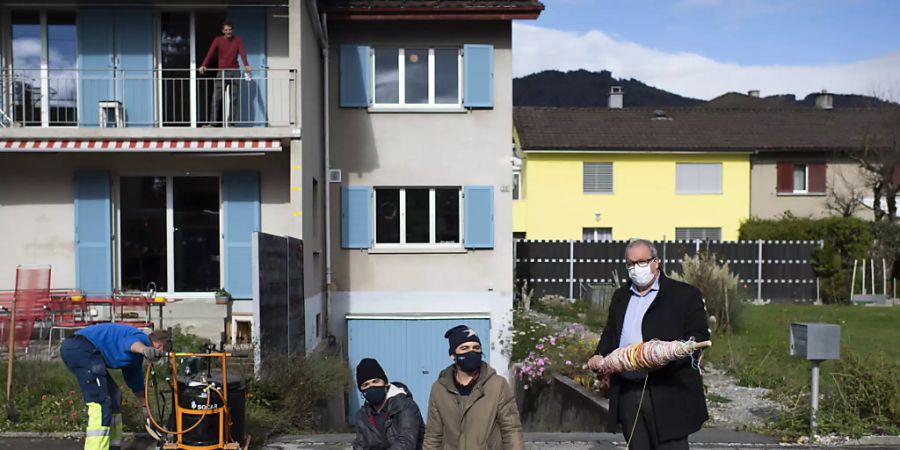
<point x="757" y="355"/>
<point x="758" y="351"/>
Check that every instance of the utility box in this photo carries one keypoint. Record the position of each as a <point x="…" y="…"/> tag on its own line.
<point x="816" y="341"/>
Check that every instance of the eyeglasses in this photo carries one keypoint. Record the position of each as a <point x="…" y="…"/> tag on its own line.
<point x="641" y="263"/>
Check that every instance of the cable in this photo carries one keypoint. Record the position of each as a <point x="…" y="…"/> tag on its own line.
<point x="206" y="410"/>
<point x="637" y="415"/>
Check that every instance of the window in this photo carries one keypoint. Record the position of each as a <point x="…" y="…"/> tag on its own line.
<point x="702" y="234"/>
<point x="44" y="59"/>
<point x="418" y="216"/>
<point x="698" y="178"/>
<point x="596" y="234"/>
<point x="801" y="175"/>
<point x="170" y="235"/>
<point x="517" y="186"/>
<point x="597" y="178"/>
<point x="417" y="76"/>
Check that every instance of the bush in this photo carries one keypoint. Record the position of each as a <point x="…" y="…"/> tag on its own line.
<point x="289" y="400"/>
<point x="526" y="333"/>
<point x="563" y="353"/>
<point x="718" y="286"/>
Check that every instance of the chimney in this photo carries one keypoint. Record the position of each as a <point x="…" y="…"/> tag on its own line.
<point x="824" y="100"/>
<point x="616" y="97"/>
<point x="754" y="93"/>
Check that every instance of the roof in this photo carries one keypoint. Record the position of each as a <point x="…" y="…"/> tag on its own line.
<point x="432" y="9"/>
<point x="697" y="129"/>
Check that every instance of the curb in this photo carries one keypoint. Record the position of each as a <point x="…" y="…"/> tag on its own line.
<point x="53" y="435"/>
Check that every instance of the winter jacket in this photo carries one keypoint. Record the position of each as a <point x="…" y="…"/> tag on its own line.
<point x="486" y="419"/>
<point x="404" y="428"/>
<point x="676" y="390"/>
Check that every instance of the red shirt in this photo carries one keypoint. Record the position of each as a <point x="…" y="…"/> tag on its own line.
<point x="227" y="52"/>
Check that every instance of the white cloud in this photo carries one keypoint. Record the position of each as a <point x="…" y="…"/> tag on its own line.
<point x="537" y="48"/>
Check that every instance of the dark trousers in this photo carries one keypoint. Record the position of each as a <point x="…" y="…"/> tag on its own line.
<point x="645" y="435"/>
<point x="101" y="394"/>
<point x="232" y="79"/>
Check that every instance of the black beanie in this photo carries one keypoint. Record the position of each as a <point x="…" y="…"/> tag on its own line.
<point x="459" y="334"/>
<point x="368" y="369"/>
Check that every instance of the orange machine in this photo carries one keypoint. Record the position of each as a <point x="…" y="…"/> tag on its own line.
<point x="201" y="412"/>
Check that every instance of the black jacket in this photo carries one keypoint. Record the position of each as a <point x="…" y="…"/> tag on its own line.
<point x="404" y="428"/>
<point x="676" y="390"/>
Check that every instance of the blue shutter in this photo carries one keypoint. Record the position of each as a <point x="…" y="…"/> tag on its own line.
<point x="478" y="80"/>
<point x="93" y="233"/>
<point x="479" y="217"/>
<point x="250" y="25"/>
<point x="355" y="76"/>
<point x="134" y="43"/>
<point x="356" y="217"/>
<point x="240" y="210"/>
<point x="95" y="61"/>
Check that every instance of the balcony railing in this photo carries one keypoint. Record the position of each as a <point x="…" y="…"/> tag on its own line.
<point x="147" y="98"/>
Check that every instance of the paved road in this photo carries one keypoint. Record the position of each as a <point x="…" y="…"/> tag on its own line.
<point x="706" y="439"/>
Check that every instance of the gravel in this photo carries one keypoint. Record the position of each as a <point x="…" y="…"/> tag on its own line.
<point x="732" y="406"/>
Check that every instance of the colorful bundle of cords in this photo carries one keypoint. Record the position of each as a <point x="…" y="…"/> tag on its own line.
<point x="649" y="355"/>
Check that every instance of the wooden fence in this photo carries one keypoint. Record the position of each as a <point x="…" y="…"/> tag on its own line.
<point x="777" y="271"/>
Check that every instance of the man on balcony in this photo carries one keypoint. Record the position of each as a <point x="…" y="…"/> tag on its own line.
<point x="227" y="48"/>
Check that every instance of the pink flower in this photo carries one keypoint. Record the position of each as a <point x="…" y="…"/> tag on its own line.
<point x="525" y="386"/>
<point x="540" y="346"/>
<point x="540" y="362"/>
<point x="552" y="340"/>
<point x="568" y="363"/>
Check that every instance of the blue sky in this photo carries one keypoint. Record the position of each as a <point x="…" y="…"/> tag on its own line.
<point x="823" y="43"/>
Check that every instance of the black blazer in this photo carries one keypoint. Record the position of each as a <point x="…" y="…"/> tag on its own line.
<point x="676" y="390"/>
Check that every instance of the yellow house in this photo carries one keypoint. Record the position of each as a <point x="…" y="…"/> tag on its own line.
<point x="601" y="174"/>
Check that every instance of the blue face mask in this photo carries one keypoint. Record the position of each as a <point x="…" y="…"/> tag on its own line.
<point x="375" y="395"/>
<point x="469" y="362"/>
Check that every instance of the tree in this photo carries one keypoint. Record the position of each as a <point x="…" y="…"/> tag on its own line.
<point x="879" y="158"/>
<point x="845" y="198"/>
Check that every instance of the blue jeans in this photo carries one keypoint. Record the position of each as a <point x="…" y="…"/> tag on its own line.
<point x="101" y="394"/>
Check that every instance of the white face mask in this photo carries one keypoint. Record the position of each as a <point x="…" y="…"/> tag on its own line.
<point x="641" y="276"/>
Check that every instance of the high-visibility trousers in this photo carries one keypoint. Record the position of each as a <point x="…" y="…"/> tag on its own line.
<point x="101" y="394"/>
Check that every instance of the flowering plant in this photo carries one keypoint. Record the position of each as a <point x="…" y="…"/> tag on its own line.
<point x="563" y="353"/>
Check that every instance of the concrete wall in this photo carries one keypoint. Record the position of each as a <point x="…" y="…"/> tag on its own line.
<point x="426" y="149"/>
<point x="37" y="200"/>
<point x="766" y="203"/>
<point x="555" y="206"/>
<point x="314" y="182"/>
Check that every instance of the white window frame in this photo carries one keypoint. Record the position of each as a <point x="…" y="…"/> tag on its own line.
<point x="431" y="244"/>
<point x="681" y="191"/>
<point x="517" y="185"/>
<point x="596" y="234"/>
<point x="612" y="175"/>
<point x="401" y="61"/>
<point x="699" y="228"/>
<point x="805" y="190"/>
<point x="170" y="233"/>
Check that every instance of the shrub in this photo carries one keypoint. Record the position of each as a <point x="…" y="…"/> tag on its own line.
<point x="563" y="353"/>
<point x="581" y="311"/>
<point x="289" y="400"/>
<point x="845" y="240"/>
<point x="718" y="286"/>
<point x="526" y="333"/>
<point x="861" y="397"/>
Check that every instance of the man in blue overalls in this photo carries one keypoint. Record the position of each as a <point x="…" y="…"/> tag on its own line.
<point x="89" y="354"/>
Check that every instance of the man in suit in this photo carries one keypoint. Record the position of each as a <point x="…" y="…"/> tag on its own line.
<point x="660" y="408"/>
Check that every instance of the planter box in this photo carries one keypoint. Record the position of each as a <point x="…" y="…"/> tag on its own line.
<point x="561" y="406"/>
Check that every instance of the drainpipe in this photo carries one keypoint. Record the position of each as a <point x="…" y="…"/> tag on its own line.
<point x="321" y="26"/>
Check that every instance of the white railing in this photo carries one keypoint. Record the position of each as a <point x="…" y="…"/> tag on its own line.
<point x="147" y="98"/>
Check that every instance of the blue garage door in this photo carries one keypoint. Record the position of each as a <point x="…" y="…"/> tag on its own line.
<point x="411" y="351"/>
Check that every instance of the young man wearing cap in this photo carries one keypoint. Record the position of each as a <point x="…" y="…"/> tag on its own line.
<point x="389" y="419"/>
<point x="471" y="407"/>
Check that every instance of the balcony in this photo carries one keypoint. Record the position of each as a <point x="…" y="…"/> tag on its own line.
<point x="180" y="102"/>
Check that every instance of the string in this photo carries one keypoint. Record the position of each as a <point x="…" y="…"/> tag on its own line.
<point x="651" y="354"/>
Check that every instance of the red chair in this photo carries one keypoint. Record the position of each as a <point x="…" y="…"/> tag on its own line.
<point x="31" y="295"/>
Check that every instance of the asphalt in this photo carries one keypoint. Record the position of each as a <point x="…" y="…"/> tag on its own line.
<point x="706" y="439"/>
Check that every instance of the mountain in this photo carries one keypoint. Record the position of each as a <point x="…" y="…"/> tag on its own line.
<point x="585" y="88"/>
